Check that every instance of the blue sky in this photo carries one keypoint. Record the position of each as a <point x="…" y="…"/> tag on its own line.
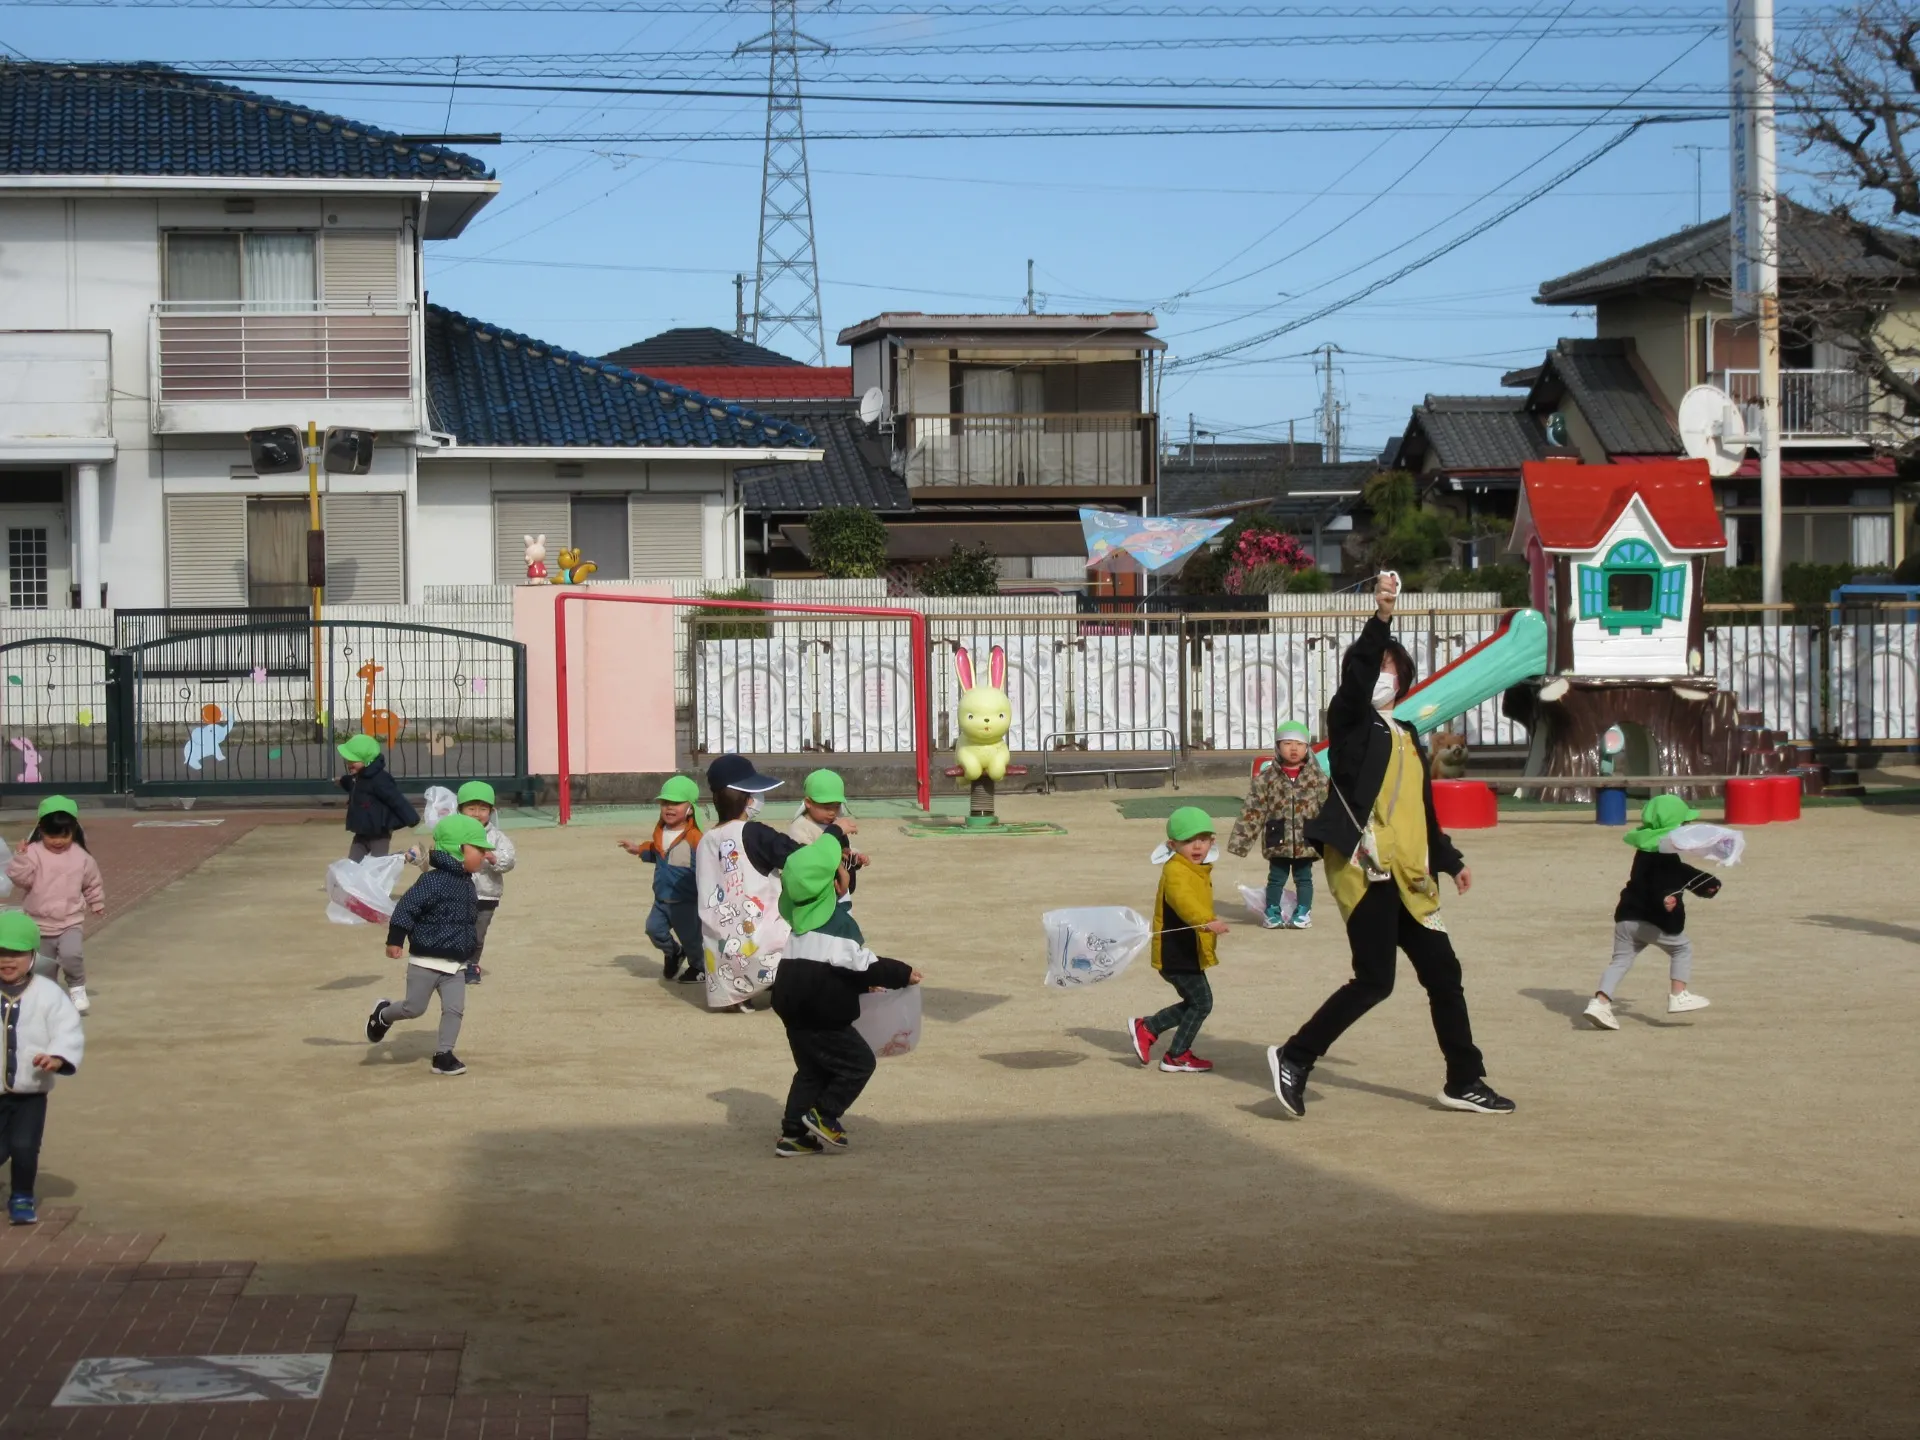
<point x="594" y="245"/>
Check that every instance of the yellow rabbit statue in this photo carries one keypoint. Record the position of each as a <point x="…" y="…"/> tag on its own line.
<point x="986" y="714"/>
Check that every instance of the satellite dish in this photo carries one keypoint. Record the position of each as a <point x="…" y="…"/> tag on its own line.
<point x="1713" y="429"/>
<point x="873" y="406"/>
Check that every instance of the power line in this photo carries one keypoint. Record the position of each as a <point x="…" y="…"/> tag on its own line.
<point x="920" y="8"/>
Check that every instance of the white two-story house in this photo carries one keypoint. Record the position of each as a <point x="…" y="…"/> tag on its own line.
<point x="182" y="261"/>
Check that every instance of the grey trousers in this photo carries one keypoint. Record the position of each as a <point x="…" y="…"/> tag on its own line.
<point x="421" y="984"/>
<point x="361" y="848"/>
<point x="1630" y="937"/>
<point x="482" y="922"/>
<point x="60" y="955"/>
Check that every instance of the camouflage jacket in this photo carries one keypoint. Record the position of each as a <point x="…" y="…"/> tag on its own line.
<point x="1293" y="801"/>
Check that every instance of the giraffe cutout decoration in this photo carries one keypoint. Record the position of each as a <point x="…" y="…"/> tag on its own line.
<point x="382" y="725"/>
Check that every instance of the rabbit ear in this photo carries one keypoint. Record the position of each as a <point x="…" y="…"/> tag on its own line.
<point x="17" y="743"/>
<point x="963" y="666"/>
<point x="997" y="668"/>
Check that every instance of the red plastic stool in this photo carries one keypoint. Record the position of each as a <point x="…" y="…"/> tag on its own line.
<point x="1749" y="800"/>
<point x="1784" y="792"/>
<point x="1465" y="805"/>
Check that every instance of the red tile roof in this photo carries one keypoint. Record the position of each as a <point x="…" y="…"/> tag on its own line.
<point x="761" y="382"/>
<point x="1573" y="506"/>
<point x="1867" y="467"/>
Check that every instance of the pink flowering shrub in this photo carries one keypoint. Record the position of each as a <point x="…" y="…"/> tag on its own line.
<point x="1259" y="557"/>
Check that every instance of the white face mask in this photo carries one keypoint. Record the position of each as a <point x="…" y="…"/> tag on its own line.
<point x="755" y="804"/>
<point x="1383" y="689"/>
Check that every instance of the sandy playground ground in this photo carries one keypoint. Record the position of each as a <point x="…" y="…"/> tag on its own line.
<point x="1706" y="1227"/>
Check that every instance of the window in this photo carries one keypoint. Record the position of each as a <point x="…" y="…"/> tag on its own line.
<point x="1632" y="589"/>
<point x="262" y="271"/>
<point x="600" y="534"/>
<point x="277" y="553"/>
<point x="27" y="567"/>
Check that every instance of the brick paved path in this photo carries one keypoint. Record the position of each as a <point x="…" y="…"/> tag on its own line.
<point x="69" y="1293"/>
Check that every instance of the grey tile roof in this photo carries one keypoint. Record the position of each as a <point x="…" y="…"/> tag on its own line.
<point x="695" y="345"/>
<point x="1813" y="248"/>
<point x="1606" y="384"/>
<point x="855" y="470"/>
<point x="1185" y="488"/>
<point x="1476" y="432"/>
<point x="150" y="119"/>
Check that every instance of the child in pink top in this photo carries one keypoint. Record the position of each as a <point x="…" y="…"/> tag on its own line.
<point x="59" y="882"/>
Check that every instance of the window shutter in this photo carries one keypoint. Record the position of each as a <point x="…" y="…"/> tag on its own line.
<point x="207" y="551"/>
<point x="1672" y="592"/>
<point x="361" y="269"/>
<point x="517" y="516"/>
<point x="1593" y="592"/>
<point x="365" y="553"/>
<point x="664" y="537"/>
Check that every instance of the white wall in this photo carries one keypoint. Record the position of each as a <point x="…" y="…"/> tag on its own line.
<point x="1661" y="654"/>
<point x="452" y="538"/>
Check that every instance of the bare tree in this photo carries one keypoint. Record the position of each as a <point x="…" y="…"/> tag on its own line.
<point x="1852" y="103"/>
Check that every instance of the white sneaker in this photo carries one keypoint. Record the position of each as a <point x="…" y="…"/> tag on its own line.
<point x="78" y="994"/>
<point x="1686" y="1000"/>
<point x="1599" y="1013"/>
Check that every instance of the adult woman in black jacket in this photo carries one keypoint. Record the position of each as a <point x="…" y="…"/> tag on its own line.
<point x="1383" y="849"/>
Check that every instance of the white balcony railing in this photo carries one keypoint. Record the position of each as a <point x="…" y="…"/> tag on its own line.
<point x="1082" y="448"/>
<point x="1814" y="404"/>
<point x="214" y="355"/>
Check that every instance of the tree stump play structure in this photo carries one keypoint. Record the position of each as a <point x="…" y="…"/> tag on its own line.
<point x="1677" y="728"/>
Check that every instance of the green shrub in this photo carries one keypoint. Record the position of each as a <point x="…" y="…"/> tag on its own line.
<point x="733" y="624"/>
<point x="1508" y="581"/>
<point x="1310" y="581"/>
<point x="849" y="543"/>
<point x="970" y="571"/>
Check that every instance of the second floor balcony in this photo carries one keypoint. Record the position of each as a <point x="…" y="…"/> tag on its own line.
<point x="220" y="368"/>
<point x="1087" y="450"/>
<point x="1815" y="405"/>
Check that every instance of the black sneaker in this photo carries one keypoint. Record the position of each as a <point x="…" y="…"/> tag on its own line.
<point x="693" y="974"/>
<point x="376" y="1027"/>
<point x="669" y="964"/>
<point x="1289" y="1083"/>
<point x="1477" y="1096"/>
<point x="790" y="1145"/>
<point x="471" y="974"/>
<point x="448" y="1063"/>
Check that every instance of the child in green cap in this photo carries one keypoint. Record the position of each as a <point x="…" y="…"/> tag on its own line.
<point x="375" y="806"/>
<point x="1184" y="928"/>
<point x="824" y="969"/>
<point x="1652" y="912"/>
<point x="477" y="801"/>
<point x="44" y="1039"/>
<point x="823" y="811"/>
<point x="1286" y="795"/>
<point x="673" y="925"/>
<point x="58" y="883"/>
<point x="435" y="919"/>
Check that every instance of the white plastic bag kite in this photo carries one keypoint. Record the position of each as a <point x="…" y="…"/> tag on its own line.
<point x="440" y="803"/>
<point x="1705" y="842"/>
<point x="1092" y="944"/>
<point x="1256" y="899"/>
<point x="360" y="892"/>
<point x="890" y="1020"/>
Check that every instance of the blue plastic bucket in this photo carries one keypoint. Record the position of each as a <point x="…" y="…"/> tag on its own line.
<point x="1610" y="806"/>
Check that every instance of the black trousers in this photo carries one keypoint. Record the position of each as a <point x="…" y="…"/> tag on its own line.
<point x="23" y="1120"/>
<point x="1379" y="925"/>
<point x="830" y="1069"/>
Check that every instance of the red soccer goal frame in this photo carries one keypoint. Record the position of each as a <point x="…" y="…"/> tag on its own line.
<point x="917" y="638"/>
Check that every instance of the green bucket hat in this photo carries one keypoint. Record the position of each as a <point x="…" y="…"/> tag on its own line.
<point x="57" y="805"/>
<point x="1292" y="730"/>
<point x="823" y="787"/>
<point x="475" y="790"/>
<point x="18" y="933"/>
<point x="679" y="790"/>
<point x="457" y="830"/>
<point x="1187" y="822"/>
<point x="361" y="750"/>
<point x="1659" y="817"/>
<point x="807" y="898"/>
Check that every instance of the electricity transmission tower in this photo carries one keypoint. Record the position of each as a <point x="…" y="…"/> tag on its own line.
<point x="786" y="281"/>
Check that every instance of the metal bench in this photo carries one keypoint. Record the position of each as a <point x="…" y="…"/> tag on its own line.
<point x="1135" y="742"/>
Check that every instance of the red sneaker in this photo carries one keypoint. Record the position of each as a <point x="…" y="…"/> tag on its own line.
<point x="1187" y="1064"/>
<point x="1141" y="1039"/>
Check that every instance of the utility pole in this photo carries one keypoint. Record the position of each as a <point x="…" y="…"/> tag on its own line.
<point x="1756" y="245"/>
<point x="1030" y="287"/>
<point x="1699" y="173"/>
<point x="739" y="307"/>
<point x="786" y="281"/>
<point x="1330" y="409"/>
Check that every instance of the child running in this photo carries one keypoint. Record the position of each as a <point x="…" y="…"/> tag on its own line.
<point x="375" y="806"/>
<point x="1651" y="911"/>
<point x="1183" y="944"/>
<point x="59" y="882"/>
<point x="823" y="812"/>
<point x="436" y="918"/>
<point x="673" y="925"/>
<point x="816" y="993"/>
<point x="1284" y="797"/>
<point x="44" y="1039"/>
<point x="476" y="801"/>
<point x="737" y="887"/>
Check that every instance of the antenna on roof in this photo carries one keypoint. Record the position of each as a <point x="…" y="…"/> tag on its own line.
<point x="1713" y="429"/>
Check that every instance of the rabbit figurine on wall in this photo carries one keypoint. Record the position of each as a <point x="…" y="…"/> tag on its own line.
<point x="536" y="558"/>
<point x="986" y="714"/>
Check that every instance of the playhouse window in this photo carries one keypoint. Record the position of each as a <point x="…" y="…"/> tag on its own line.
<point x="1630" y="588"/>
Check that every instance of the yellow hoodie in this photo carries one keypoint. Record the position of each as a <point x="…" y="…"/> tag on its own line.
<point x="1184" y="904"/>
